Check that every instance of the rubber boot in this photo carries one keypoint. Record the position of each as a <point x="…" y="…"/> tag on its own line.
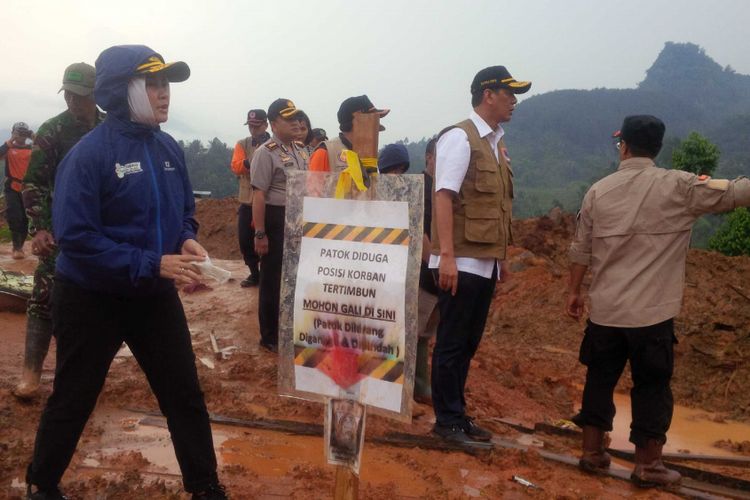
<point x="18" y="241"/>
<point x="38" y="334"/>
<point x="650" y="470"/>
<point x="595" y="458"/>
<point x="422" y="388"/>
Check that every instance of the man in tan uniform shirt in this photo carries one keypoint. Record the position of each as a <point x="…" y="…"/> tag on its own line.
<point x="271" y="162"/>
<point x="634" y="232"/>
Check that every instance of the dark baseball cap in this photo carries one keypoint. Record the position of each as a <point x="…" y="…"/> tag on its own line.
<point x="642" y="131"/>
<point x="392" y="156"/>
<point x="319" y="133"/>
<point x="496" y="77"/>
<point x="351" y="105"/>
<point x="175" y="72"/>
<point x="79" y="78"/>
<point x="256" y="117"/>
<point x="283" y="108"/>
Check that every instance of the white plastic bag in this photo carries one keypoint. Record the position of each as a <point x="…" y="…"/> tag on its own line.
<point x="209" y="270"/>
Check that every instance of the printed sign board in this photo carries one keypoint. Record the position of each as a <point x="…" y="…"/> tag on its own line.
<point x="347" y="329"/>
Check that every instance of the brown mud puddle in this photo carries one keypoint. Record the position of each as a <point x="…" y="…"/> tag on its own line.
<point x="692" y="431"/>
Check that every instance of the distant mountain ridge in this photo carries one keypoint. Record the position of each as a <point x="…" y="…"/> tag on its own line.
<point x="560" y="141"/>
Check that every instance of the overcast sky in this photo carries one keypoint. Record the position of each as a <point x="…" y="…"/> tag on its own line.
<point x="415" y="57"/>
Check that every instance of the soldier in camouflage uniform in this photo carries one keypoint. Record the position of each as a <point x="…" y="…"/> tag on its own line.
<point x="53" y="141"/>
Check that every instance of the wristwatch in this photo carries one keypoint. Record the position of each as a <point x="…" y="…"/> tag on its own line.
<point x="259" y="235"/>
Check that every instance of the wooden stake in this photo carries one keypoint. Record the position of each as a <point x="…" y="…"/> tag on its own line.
<point x="365" y="132"/>
<point x="347" y="484"/>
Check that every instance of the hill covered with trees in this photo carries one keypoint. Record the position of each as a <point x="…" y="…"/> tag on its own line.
<point x="561" y="141"/>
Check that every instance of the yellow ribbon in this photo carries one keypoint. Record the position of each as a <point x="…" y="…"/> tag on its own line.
<point x="352" y="172"/>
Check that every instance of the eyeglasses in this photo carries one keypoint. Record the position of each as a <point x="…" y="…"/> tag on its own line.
<point x="618" y="143"/>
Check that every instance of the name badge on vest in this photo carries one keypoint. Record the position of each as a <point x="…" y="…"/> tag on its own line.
<point x="286" y="160"/>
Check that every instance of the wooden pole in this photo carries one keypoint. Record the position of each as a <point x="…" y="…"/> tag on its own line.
<point x="365" y="132"/>
<point x="347" y="484"/>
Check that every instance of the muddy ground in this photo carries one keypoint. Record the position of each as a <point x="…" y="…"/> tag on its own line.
<point x="526" y="370"/>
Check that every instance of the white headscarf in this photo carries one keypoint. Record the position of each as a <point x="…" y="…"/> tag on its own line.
<point x="140" y="106"/>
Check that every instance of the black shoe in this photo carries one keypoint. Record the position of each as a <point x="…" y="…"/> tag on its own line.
<point x="251" y="280"/>
<point x="270" y="347"/>
<point x="213" y="492"/>
<point x="453" y="433"/>
<point x="53" y="494"/>
<point x="474" y="431"/>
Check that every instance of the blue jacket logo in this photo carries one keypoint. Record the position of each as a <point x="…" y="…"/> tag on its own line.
<point x="127" y="169"/>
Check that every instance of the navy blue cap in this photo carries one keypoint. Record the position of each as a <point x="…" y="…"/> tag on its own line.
<point x="392" y="156"/>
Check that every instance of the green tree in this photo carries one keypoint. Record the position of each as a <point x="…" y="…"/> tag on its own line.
<point x="733" y="237"/>
<point x="696" y="154"/>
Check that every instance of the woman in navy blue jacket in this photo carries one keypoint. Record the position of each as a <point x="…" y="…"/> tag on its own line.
<point x="123" y="217"/>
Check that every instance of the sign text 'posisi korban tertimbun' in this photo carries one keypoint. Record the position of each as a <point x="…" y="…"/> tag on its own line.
<point x="347" y="330"/>
<point x="349" y="302"/>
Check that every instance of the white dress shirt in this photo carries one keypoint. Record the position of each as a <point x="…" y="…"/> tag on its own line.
<point x="453" y="154"/>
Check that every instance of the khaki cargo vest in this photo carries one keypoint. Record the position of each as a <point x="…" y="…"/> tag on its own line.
<point x="334" y="147"/>
<point x="245" y="195"/>
<point x="482" y="209"/>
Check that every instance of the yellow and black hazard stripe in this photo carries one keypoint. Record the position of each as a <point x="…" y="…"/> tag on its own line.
<point x="362" y="234"/>
<point x="371" y="365"/>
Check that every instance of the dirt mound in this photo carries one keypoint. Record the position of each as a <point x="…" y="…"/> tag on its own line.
<point x="711" y="366"/>
<point x="218" y="227"/>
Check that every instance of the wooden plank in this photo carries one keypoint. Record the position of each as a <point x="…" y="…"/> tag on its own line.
<point x="689" y="457"/>
<point x="347" y="484"/>
<point x="428" y="442"/>
<point x="671" y="457"/>
<point x="693" y="473"/>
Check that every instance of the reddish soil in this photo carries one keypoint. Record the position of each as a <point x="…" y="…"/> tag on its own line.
<point x="526" y="369"/>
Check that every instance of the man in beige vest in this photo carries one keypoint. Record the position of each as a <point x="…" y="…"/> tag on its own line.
<point x="471" y="230"/>
<point x="257" y="123"/>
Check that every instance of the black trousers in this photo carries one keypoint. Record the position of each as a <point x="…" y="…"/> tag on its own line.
<point x="90" y="327"/>
<point x="605" y="350"/>
<point x="16" y="217"/>
<point x="270" y="277"/>
<point x="462" y="320"/>
<point x="246" y="236"/>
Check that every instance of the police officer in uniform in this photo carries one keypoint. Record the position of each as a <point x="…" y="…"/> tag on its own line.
<point x="268" y="171"/>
